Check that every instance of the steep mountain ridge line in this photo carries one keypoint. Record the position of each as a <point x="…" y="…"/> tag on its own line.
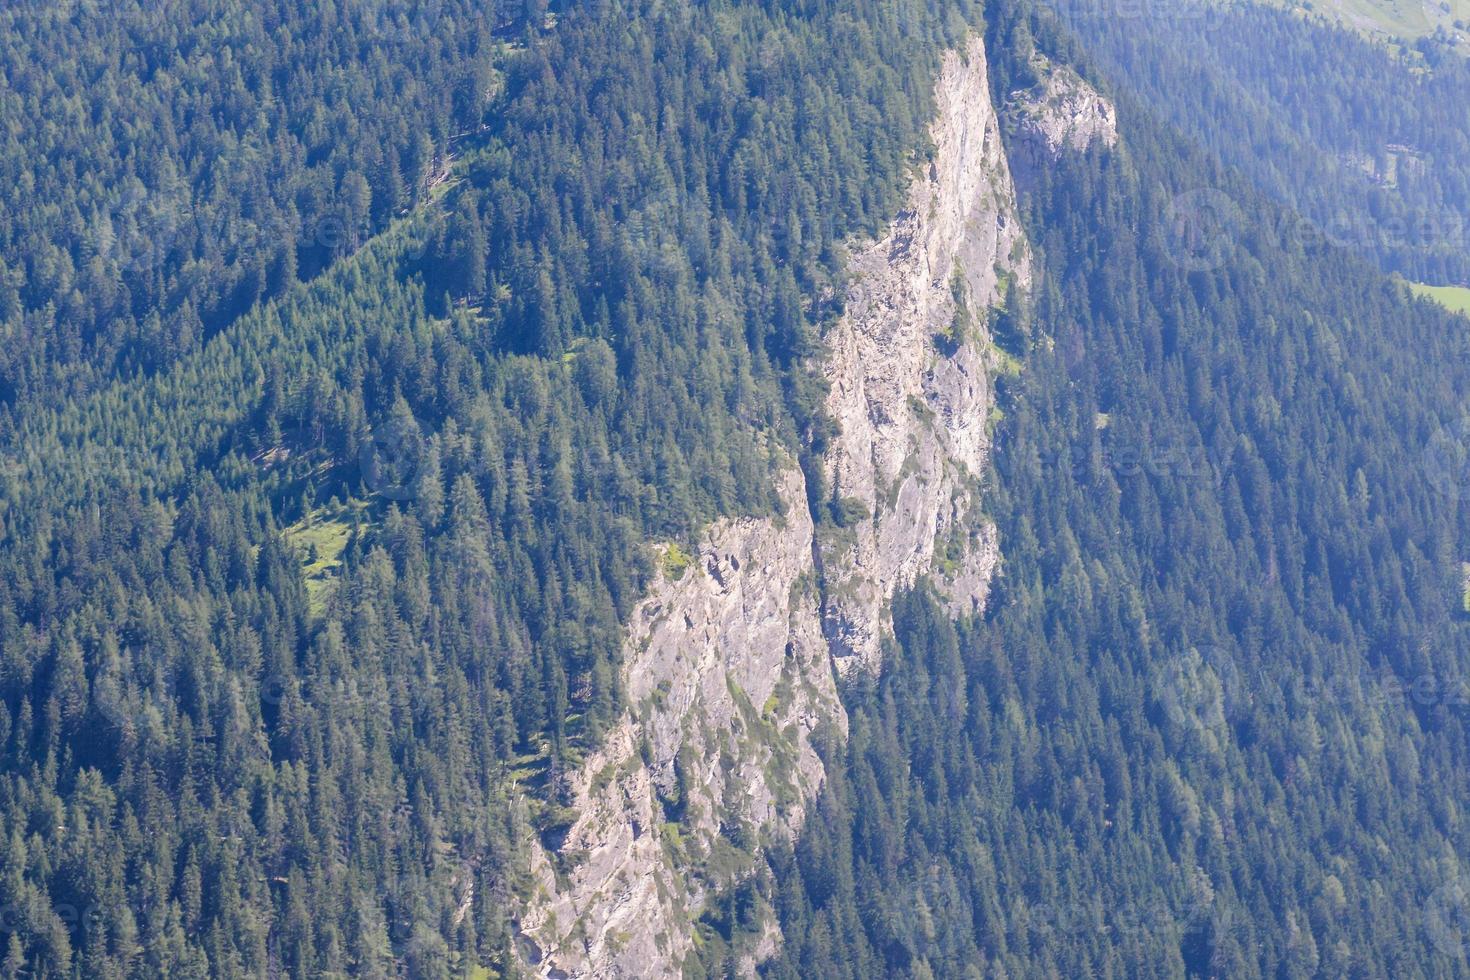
<point x="727" y="659"/>
<point x="729" y="662"/>
<point x="914" y="417"/>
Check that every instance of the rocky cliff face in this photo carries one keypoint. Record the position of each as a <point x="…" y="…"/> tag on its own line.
<point x="728" y="676"/>
<point x="729" y="662"/>
<point x="911" y="365"/>
<point x="1061" y="113"/>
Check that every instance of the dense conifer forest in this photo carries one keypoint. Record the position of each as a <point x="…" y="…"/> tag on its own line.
<point x="355" y="352"/>
<point x="167" y="165"/>
<point x="1214" y="721"/>
<point x="311" y="594"/>
<point x="1363" y="144"/>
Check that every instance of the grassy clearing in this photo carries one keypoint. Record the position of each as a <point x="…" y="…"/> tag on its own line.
<point x="676" y="561"/>
<point x="320" y="538"/>
<point x="1454" y="298"/>
<point x="1392" y="18"/>
<point x="532" y="768"/>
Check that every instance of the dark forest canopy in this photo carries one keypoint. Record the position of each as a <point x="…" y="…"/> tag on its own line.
<point x="1365" y="145"/>
<point x="166" y="164"/>
<point x="316" y="544"/>
<point x="302" y="621"/>
<point x="1213" y="723"/>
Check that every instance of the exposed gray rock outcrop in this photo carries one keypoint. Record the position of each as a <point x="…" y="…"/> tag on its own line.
<point x="1060" y="114"/>
<point x="911" y="364"/>
<point x="728" y="675"/>
<point x="729" y="662"/>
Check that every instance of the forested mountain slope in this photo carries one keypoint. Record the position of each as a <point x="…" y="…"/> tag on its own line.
<point x="1364" y="145"/>
<point x="1213" y="722"/>
<point x="730" y="662"/>
<point x="302" y="632"/>
<point x="341" y="620"/>
<point x="1441" y="22"/>
<point x="168" y="164"/>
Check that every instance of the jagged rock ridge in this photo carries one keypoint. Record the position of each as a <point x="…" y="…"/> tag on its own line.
<point x="1061" y="113"/>
<point x="728" y="676"/>
<point x="911" y="365"/>
<point x="730" y="661"/>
